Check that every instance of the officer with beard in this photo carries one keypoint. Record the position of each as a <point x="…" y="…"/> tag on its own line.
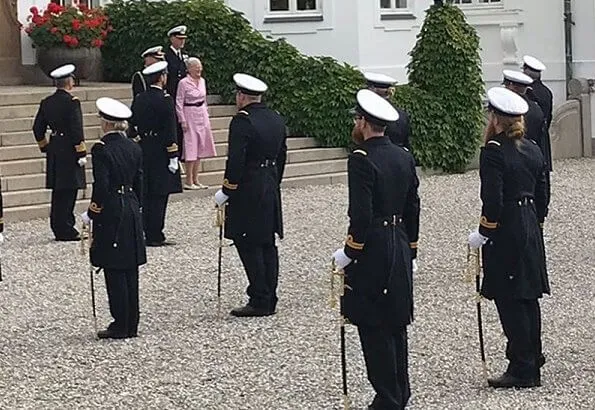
<point x="380" y="246"/>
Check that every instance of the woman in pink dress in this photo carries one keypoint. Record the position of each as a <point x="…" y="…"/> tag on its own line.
<point x="191" y="107"/>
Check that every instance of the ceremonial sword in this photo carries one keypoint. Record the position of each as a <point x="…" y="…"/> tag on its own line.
<point x="337" y="292"/>
<point x="474" y="269"/>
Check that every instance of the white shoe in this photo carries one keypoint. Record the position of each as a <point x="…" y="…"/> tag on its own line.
<point x="201" y="186"/>
<point x="186" y="186"/>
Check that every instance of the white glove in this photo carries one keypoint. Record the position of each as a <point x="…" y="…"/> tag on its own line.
<point x="85" y="217"/>
<point x="341" y="260"/>
<point x="220" y="198"/>
<point x="173" y="165"/>
<point x="1" y="239"/>
<point x="477" y="240"/>
<point x="82" y="162"/>
<point x="414" y="266"/>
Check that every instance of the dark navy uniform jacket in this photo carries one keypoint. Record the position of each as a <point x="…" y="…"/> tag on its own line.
<point x="61" y="113"/>
<point x="382" y="237"/>
<point x="255" y="164"/>
<point x="515" y="202"/>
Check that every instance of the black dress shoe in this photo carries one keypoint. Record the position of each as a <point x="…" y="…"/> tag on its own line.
<point x="69" y="239"/>
<point x="251" y="311"/>
<point x="507" y="381"/>
<point x="160" y="243"/>
<point x="111" y="334"/>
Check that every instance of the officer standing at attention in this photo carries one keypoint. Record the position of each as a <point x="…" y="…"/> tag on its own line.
<point x="543" y="96"/>
<point x="65" y="150"/>
<point x="381" y="243"/>
<point x="150" y="56"/>
<point x="118" y="244"/>
<point x="176" y="61"/>
<point x="153" y="115"/>
<point x="514" y="204"/>
<point x="400" y="130"/>
<point x="253" y="173"/>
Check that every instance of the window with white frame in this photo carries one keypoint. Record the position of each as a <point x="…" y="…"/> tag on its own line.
<point x="394" y="5"/>
<point x="477" y="2"/>
<point x="294" y="6"/>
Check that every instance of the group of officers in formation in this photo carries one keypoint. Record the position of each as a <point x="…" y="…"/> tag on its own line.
<point x="136" y="167"/>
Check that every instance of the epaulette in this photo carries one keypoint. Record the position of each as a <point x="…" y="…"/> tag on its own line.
<point x="99" y="142"/>
<point x="166" y="95"/>
<point x="360" y="151"/>
<point x="494" y="142"/>
<point x="406" y="149"/>
<point x="75" y="98"/>
<point x="243" y="112"/>
<point x="533" y="141"/>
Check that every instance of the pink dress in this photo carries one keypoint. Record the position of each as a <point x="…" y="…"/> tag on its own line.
<point x="191" y="107"/>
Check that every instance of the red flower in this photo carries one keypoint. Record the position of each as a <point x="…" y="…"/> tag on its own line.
<point x="67" y="38"/>
<point x="74" y="42"/>
<point x="34" y="10"/>
<point x="28" y="30"/>
<point x="83" y="7"/>
<point x="104" y="33"/>
<point x="76" y="25"/>
<point x="97" y="43"/>
<point x="54" y="30"/>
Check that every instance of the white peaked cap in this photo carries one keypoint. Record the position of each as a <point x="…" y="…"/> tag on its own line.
<point x="63" y="72"/>
<point x="507" y="102"/>
<point x="375" y="108"/>
<point x="112" y="110"/>
<point x="517" y="77"/>
<point x="155" y="68"/>
<point x="249" y="85"/>
<point x="177" y="30"/>
<point x="380" y="79"/>
<point x="153" y="50"/>
<point x="534" y="63"/>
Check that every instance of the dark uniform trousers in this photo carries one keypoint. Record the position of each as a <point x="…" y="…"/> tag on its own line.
<point x="154" y="210"/>
<point x="122" y="291"/>
<point x="61" y="214"/>
<point x="385" y="353"/>
<point x="261" y="262"/>
<point x="521" y="321"/>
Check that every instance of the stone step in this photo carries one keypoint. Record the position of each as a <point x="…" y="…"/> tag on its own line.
<point x="26" y="124"/>
<point x="28" y="181"/>
<point x="88" y="107"/>
<point x="28" y="212"/>
<point x="11" y="139"/>
<point x="35" y="197"/>
<point x="19" y="152"/>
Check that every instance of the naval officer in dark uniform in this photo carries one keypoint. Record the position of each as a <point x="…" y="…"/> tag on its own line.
<point x="176" y="63"/>
<point x="381" y="243"/>
<point x="543" y="96"/>
<point x="399" y="131"/>
<point x="535" y="120"/>
<point x="118" y="244"/>
<point x="150" y="56"/>
<point x="153" y="115"/>
<point x="65" y="150"/>
<point x="255" y="163"/>
<point x="514" y="204"/>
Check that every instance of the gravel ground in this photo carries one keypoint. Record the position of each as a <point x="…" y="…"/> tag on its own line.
<point x="186" y="357"/>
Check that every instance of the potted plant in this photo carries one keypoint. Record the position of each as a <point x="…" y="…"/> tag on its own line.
<point x="68" y="35"/>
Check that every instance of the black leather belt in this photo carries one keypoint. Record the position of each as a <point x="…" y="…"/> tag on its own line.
<point x="56" y="133"/>
<point x="386" y="221"/>
<point x="122" y="189"/>
<point x="525" y="201"/>
<point x="197" y="104"/>
<point x="148" y="134"/>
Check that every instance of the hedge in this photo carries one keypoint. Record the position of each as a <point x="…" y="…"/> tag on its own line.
<point x="313" y="93"/>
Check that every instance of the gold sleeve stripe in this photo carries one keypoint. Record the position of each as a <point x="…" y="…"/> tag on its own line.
<point x="172" y="148"/>
<point x="352" y="244"/>
<point x="413" y="245"/>
<point x="81" y="147"/>
<point x="360" y="151"/>
<point x="43" y="143"/>
<point x="229" y="185"/>
<point x="96" y="209"/>
<point x="487" y="224"/>
<point x="1" y="221"/>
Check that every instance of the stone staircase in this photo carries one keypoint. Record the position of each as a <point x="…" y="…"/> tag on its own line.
<point x="22" y="165"/>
